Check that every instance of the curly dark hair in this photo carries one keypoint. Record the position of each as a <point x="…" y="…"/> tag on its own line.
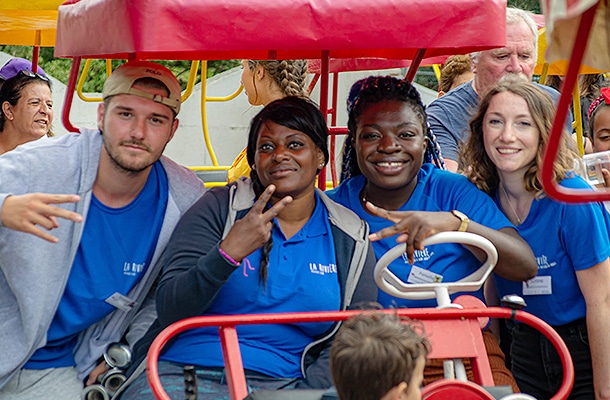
<point x="373" y="90"/>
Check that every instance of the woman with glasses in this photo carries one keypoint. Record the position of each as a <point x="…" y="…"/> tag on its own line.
<point x="26" y="108"/>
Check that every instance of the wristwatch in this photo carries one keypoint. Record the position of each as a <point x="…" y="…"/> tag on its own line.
<point x="463" y="218"/>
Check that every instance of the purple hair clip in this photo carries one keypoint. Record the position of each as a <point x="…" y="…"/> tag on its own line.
<point x="604" y="96"/>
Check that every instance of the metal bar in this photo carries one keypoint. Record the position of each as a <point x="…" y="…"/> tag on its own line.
<point x="424" y="314"/>
<point x="419" y="56"/>
<point x="324" y="72"/>
<point x="551" y="187"/>
<point x="236" y="379"/>
<point x="65" y="114"/>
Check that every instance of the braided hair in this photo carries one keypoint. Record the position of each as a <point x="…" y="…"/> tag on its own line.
<point x="373" y="90"/>
<point x="289" y="75"/>
<point x="299" y="114"/>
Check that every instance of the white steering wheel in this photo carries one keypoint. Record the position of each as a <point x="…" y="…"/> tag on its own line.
<point x="392" y="285"/>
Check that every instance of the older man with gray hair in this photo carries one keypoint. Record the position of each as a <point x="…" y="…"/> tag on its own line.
<point x="449" y="115"/>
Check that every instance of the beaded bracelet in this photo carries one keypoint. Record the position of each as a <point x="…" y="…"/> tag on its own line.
<point x="228" y="257"/>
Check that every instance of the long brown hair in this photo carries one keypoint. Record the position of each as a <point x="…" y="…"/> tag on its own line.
<point x="477" y="164"/>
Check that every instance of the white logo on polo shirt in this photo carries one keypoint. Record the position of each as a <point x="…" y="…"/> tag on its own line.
<point x="132" y="269"/>
<point x="322" y="269"/>
<point x="419" y="255"/>
<point x="543" y="262"/>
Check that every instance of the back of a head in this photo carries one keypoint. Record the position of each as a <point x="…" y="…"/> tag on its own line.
<point x="372" y="353"/>
<point x="289" y="75"/>
<point x="453" y="67"/>
<point x="123" y="79"/>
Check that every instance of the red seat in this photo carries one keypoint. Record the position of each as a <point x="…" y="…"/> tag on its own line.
<point x="446" y="389"/>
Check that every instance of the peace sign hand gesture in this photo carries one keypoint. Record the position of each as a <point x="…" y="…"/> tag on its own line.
<point x="254" y="230"/>
<point x="412" y="227"/>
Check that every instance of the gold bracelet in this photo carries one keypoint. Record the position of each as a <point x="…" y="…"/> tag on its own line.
<point x="463" y="218"/>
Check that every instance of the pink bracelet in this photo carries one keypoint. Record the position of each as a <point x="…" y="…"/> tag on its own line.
<point x="228" y="257"/>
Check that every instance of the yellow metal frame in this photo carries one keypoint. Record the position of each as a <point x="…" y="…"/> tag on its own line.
<point x="204" y="100"/>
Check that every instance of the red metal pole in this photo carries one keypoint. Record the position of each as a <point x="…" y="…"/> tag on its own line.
<point x="551" y="187"/>
<point x="324" y="70"/>
<point x="419" y="55"/>
<point x="236" y="380"/>
<point x="65" y="112"/>
<point x="35" y="55"/>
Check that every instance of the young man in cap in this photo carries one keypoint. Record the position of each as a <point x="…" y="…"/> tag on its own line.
<point x="64" y="298"/>
<point x="15" y="65"/>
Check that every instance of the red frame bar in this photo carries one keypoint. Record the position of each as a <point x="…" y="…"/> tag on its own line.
<point x="551" y="187"/>
<point x="70" y="89"/>
<point x="419" y="56"/>
<point x="233" y="364"/>
<point x="324" y="71"/>
<point x="238" y="380"/>
<point x="35" y="55"/>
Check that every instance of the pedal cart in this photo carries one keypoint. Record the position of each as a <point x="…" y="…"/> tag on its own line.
<point x="453" y="328"/>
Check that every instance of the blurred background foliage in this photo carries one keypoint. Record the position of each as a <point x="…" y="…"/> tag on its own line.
<point x="59" y="68"/>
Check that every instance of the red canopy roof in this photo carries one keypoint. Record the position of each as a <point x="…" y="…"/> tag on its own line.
<point x="283" y="29"/>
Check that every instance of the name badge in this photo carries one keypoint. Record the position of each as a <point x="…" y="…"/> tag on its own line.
<point x="121" y="302"/>
<point x="420" y="275"/>
<point x="537" y="286"/>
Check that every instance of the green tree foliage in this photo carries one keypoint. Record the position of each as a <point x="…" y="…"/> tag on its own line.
<point x="531" y="5"/>
<point x="59" y="68"/>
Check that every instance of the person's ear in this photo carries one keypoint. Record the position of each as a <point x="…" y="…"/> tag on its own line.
<point x="402" y="391"/>
<point x="473" y="65"/>
<point x="398" y="392"/>
<point x="100" y="116"/>
<point x="321" y="159"/>
<point x="260" y="73"/>
<point x="175" y="124"/>
<point x="7" y="110"/>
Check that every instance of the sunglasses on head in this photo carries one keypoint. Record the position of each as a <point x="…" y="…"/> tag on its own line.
<point x="30" y="74"/>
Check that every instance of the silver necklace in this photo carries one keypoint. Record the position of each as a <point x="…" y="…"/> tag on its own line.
<point x="511" y="205"/>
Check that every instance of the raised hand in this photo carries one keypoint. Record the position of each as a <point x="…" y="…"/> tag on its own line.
<point x="254" y="230"/>
<point x="28" y="211"/>
<point x="412" y="227"/>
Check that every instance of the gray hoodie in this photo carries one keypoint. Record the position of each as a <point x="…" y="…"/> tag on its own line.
<point x="33" y="272"/>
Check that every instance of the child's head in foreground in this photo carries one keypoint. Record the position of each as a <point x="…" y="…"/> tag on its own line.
<point x="377" y="356"/>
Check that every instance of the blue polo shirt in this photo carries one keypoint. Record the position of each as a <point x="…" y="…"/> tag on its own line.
<point x="565" y="238"/>
<point x="114" y="253"/>
<point x="436" y="190"/>
<point x="302" y="276"/>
